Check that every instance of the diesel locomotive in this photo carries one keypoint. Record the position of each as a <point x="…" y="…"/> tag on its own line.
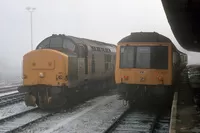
<point x="64" y="68"/>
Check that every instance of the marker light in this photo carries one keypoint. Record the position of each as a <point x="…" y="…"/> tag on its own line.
<point x="126" y="77"/>
<point x="160" y="78"/>
<point x="24" y="76"/>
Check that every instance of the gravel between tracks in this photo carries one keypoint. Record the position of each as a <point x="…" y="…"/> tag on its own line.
<point x="13" y="109"/>
<point x="14" y="123"/>
<point x="93" y="116"/>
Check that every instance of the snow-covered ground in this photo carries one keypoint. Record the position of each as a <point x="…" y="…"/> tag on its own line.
<point x="13" y="109"/>
<point x="7" y="83"/>
<point x="93" y="116"/>
<point x="8" y="89"/>
<point x="8" y="93"/>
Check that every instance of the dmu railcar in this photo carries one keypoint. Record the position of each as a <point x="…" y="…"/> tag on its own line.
<point x="147" y="62"/>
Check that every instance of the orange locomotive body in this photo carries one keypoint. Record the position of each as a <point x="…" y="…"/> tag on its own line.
<point x="146" y="62"/>
<point x="45" y="66"/>
<point x="65" y="69"/>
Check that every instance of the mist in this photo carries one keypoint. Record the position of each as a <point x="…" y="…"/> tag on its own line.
<point x="101" y="20"/>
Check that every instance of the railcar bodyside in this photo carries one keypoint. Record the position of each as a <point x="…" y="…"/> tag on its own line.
<point x="148" y="62"/>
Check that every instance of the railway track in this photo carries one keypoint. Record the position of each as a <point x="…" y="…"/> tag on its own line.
<point x="137" y="121"/>
<point x="11" y="98"/>
<point x="19" y="121"/>
<point x="8" y="88"/>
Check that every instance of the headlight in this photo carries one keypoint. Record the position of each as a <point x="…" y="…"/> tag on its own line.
<point x="41" y="75"/>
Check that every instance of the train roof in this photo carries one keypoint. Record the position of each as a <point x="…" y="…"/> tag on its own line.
<point x="183" y="53"/>
<point x="83" y="40"/>
<point x="93" y="43"/>
<point x="145" y="37"/>
<point x="80" y="41"/>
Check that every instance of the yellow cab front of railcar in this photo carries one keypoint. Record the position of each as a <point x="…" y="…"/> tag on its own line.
<point x="144" y="63"/>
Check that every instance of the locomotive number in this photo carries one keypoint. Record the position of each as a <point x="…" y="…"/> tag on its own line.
<point x="59" y="77"/>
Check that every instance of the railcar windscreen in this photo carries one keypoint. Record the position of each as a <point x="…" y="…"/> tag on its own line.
<point x="127" y="58"/>
<point x="147" y="57"/>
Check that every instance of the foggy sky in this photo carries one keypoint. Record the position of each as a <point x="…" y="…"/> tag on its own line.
<point x="102" y="20"/>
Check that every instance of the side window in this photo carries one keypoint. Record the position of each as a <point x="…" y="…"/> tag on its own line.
<point x="81" y="51"/>
<point x="107" y="60"/>
<point x="182" y="58"/>
<point x="179" y="58"/>
<point x="98" y="49"/>
<point x="185" y="58"/>
<point x="114" y="58"/>
<point x="93" y="64"/>
<point x="174" y="58"/>
<point x="93" y="48"/>
<point x="114" y="61"/>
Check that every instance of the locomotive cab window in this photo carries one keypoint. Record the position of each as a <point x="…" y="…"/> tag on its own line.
<point x="52" y="42"/>
<point x="56" y="42"/>
<point x="44" y="44"/>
